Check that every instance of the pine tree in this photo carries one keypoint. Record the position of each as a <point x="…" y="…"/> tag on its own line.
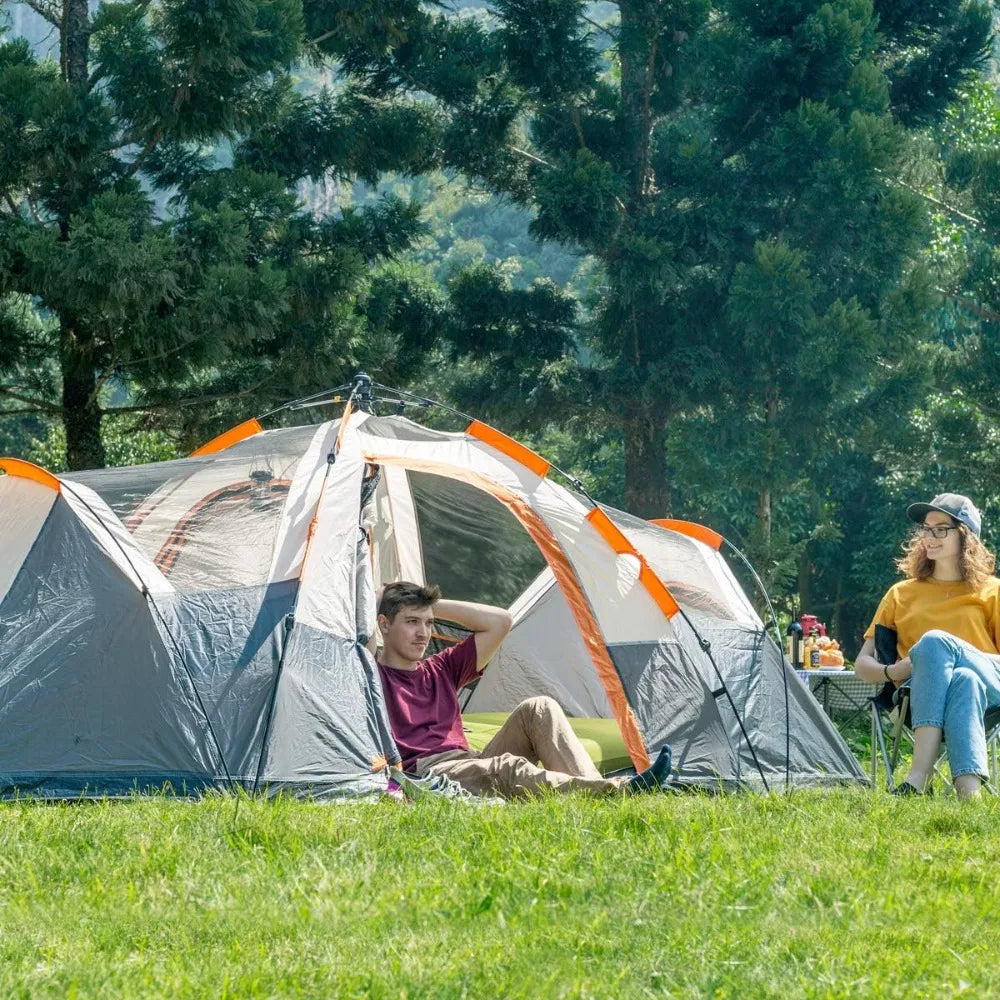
<point x="151" y="241"/>
<point x="705" y="154"/>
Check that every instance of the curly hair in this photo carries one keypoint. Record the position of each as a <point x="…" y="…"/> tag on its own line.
<point x="975" y="560"/>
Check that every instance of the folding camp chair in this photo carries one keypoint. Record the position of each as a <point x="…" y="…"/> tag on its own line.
<point x="891" y="725"/>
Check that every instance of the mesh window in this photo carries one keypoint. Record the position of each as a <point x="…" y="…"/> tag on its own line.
<point x="473" y="547"/>
<point x="208" y="522"/>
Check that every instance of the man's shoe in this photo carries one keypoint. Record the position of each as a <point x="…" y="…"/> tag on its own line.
<point x="653" y="778"/>
<point x="904" y="789"/>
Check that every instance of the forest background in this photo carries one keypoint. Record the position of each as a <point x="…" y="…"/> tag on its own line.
<point x="733" y="262"/>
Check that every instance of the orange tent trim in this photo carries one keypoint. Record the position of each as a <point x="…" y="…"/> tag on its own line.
<point x="509" y="447"/>
<point x="613" y="535"/>
<point x="693" y="530"/>
<point x="348" y="410"/>
<point x="228" y="438"/>
<point x="610" y="532"/>
<point x="28" y="470"/>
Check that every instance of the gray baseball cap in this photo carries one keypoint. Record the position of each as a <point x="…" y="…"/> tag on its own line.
<point x="962" y="509"/>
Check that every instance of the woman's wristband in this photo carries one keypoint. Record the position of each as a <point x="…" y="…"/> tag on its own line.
<point x="885" y="670"/>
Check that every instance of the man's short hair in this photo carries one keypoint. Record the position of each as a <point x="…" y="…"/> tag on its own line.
<point x="404" y="594"/>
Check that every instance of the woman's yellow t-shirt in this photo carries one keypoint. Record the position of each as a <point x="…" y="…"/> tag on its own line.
<point x="913" y="607"/>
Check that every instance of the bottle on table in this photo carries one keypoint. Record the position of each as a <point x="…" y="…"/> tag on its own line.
<point x="812" y="650"/>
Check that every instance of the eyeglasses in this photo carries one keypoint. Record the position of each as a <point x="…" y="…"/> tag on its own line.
<point x="937" y="530"/>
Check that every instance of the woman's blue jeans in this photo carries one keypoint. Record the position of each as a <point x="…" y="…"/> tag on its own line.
<point x="952" y="685"/>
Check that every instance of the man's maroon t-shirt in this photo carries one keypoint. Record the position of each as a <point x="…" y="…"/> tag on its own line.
<point x="423" y="703"/>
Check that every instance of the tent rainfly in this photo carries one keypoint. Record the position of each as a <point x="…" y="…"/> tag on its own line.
<point x="199" y="623"/>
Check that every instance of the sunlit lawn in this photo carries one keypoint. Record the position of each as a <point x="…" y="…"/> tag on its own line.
<point x="849" y="893"/>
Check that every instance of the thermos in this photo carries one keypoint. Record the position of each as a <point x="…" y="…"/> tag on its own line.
<point x="794" y="633"/>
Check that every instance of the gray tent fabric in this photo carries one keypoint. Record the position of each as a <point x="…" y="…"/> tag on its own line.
<point x="91" y="699"/>
<point x="663" y="675"/>
<point x="115" y="711"/>
<point x="753" y="686"/>
<point x="759" y="680"/>
<point x="215" y="664"/>
<point x="322" y="733"/>
<point x="107" y="690"/>
<point x="231" y="643"/>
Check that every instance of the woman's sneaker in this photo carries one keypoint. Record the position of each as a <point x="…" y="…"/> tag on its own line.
<point x="904" y="788"/>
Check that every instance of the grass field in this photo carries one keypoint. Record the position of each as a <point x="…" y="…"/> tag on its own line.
<point x="841" y="894"/>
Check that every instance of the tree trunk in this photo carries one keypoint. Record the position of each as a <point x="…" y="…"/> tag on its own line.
<point x="74" y="41"/>
<point x="637" y="53"/>
<point x="81" y="413"/>
<point x="647" y="492"/>
<point x="765" y="495"/>
<point x="805" y="583"/>
<point x="765" y="521"/>
<point x="836" y="617"/>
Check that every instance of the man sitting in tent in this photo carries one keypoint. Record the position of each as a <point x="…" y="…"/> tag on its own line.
<point x="421" y="698"/>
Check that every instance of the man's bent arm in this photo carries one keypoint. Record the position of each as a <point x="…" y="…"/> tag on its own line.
<point x="488" y="624"/>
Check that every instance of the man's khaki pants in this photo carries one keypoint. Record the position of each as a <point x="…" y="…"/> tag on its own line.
<point x="536" y="732"/>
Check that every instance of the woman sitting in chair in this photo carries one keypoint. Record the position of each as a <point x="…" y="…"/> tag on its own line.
<point x="947" y="624"/>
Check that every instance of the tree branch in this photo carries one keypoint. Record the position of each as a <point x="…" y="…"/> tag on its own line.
<point x="613" y="35"/>
<point x="574" y="113"/>
<point x="974" y="307"/>
<point x="955" y="213"/>
<point x="18" y="412"/>
<point x="181" y="94"/>
<point x="99" y="384"/>
<point x="34" y="212"/>
<point x="147" y="149"/>
<point x="36" y="404"/>
<point x="116" y="363"/>
<point x="322" y="38"/>
<point x="193" y="401"/>
<point x="538" y="161"/>
<point x="530" y="157"/>
<point x="46" y="9"/>
<point x="96" y="78"/>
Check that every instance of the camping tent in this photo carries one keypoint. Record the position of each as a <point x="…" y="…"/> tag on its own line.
<point x="196" y="623"/>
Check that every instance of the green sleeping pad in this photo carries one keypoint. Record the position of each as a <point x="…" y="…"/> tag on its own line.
<point x="601" y="738"/>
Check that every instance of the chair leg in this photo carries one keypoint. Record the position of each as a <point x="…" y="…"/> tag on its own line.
<point x="899" y="728"/>
<point x="874" y="747"/>
<point x="878" y="738"/>
<point x="990" y="786"/>
<point x="936" y="772"/>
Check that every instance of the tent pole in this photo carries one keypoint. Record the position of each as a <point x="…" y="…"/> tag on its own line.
<point x="707" y="648"/>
